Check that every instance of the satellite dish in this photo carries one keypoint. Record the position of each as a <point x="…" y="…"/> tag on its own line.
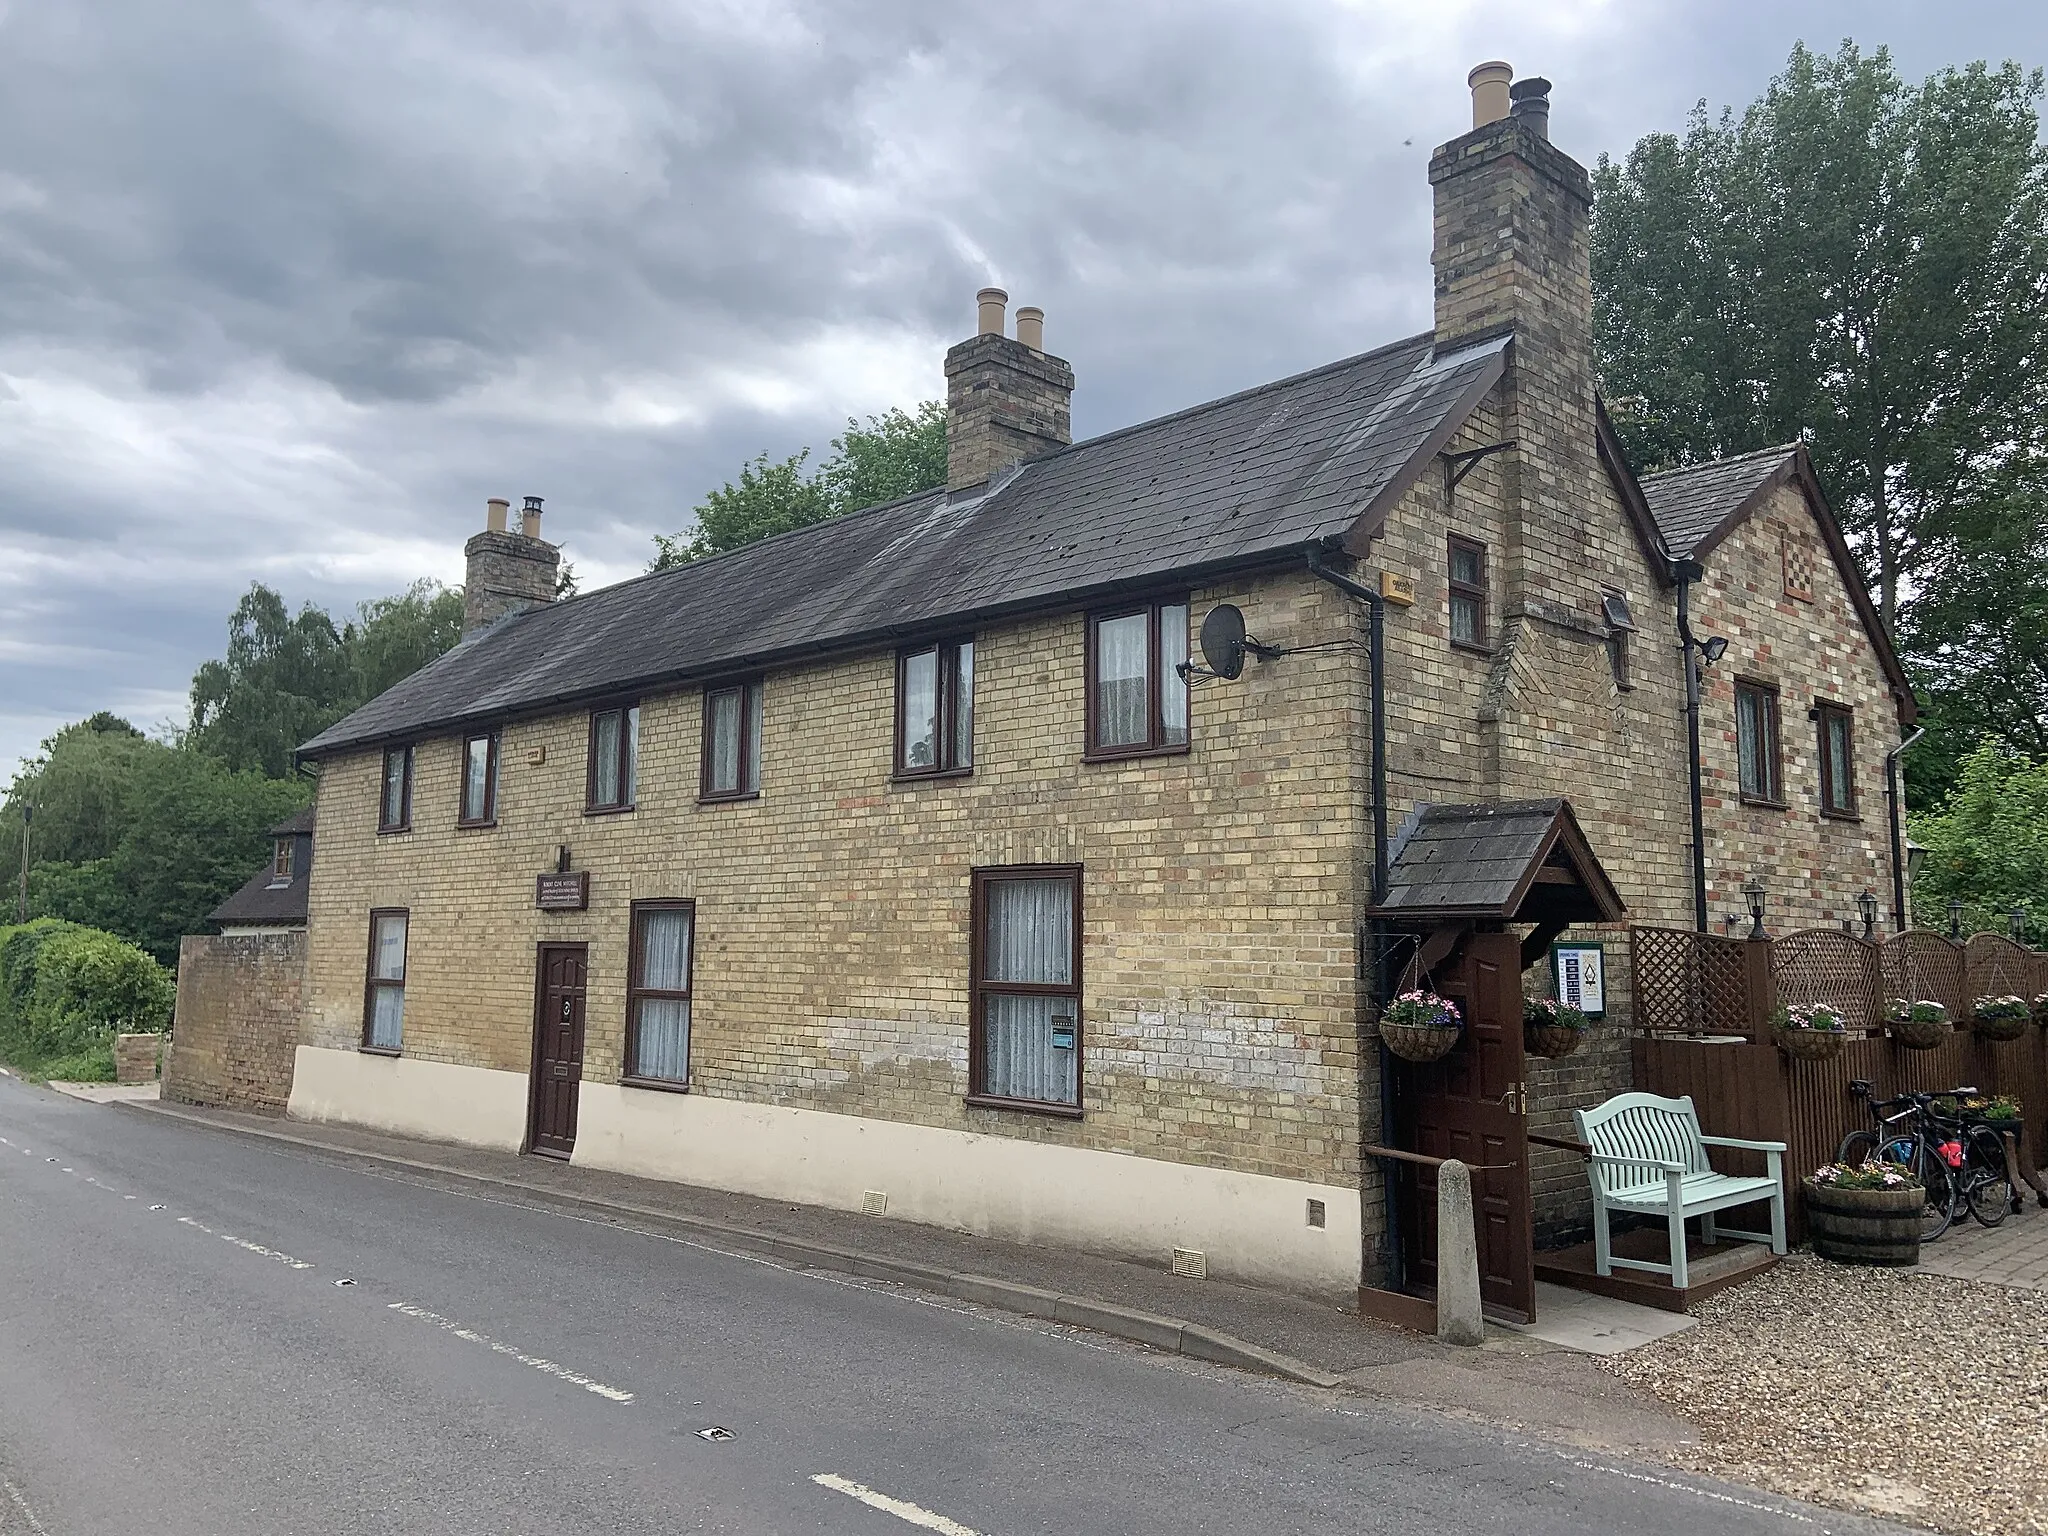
<point x="1223" y="644"/>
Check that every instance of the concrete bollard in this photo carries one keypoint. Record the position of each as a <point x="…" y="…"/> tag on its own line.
<point x="1458" y="1319"/>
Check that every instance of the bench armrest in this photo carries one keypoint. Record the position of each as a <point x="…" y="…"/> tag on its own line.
<point x="1748" y="1146"/>
<point x="1637" y="1162"/>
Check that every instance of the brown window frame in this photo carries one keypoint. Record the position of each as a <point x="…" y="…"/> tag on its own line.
<point x="1825" y="710"/>
<point x="979" y="988"/>
<point x="403" y="823"/>
<point x="1774" y="742"/>
<point x="1467" y="591"/>
<point x="635" y="993"/>
<point x="753" y="701"/>
<point x="281" y="862"/>
<point x="628" y="711"/>
<point x="373" y="983"/>
<point x="489" y="818"/>
<point x="1155" y="743"/>
<point x="945" y="656"/>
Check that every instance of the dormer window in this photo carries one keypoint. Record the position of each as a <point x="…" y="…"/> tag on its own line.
<point x="281" y="862"/>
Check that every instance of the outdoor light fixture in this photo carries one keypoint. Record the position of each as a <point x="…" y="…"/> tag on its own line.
<point x="1753" y="892"/>
<point x="2016" y="921"/>
<point x="1955" y="918"/>
<point x="1713" y="648"/>
<point x="1867" y="905"/>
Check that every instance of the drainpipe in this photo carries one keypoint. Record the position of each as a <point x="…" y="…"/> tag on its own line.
<point x="1686" y="572"/>
<point x="1376" y="607"/>
<point x="1896" y="808"/>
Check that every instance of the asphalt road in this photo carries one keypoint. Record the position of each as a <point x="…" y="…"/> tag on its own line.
<point x="203" y="1334"/>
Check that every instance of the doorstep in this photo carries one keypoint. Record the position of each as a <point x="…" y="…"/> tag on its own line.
<point x="1712" y="1267"/>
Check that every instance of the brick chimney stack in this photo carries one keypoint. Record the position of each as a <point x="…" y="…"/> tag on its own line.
<point x="1513" y="254"/>
<point x="1006" y="400"/>
<point x="507" y="571"/>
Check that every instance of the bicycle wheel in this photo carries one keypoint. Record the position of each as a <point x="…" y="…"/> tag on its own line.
<point x="1939" y="1208"/>
<point x="1988" y="1196"/>
<point x="1857" y="1148"/>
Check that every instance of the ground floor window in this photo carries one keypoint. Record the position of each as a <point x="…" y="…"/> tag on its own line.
<point x="384" y="991"/>
<point x="1026" y="1023"/>
<point x="658" y="992"/>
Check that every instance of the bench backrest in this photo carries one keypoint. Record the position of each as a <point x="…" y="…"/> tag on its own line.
<point x="1642" y="1125"/>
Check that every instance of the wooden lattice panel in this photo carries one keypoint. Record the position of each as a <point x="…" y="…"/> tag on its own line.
<point x="1920" y="964"/>
<point x="1994" y="966"/>
<point x="1689" y="983"/>
<point x="1825" y="965"/>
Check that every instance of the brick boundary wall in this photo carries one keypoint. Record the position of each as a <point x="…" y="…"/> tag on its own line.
<point x="236" y="1030"/>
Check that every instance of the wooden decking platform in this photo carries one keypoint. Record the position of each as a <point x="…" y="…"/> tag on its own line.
<point x="1712" y="1268"/>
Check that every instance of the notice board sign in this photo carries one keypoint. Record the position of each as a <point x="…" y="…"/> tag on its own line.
<point x="1580" y="971"/>
<point x="566" y="892"/>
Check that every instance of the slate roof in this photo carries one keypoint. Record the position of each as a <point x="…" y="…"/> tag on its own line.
<point x="1692" y="504"/>
<point x="1484" y="861"/>
<point x="259" y="904"/>
<point x="297" y="822"/>
<point x="1237" y="482"/>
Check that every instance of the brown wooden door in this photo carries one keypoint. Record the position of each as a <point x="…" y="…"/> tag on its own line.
<point x="1470" y="1106"/>
<point x="557" y="1049"/>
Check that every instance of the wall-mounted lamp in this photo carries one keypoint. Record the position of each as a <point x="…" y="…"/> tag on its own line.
<point x="1753" y="892"/>
<point x="2016" y="922"/>
<point x="1955" y="917"/>
<point x="1867" y="905"/>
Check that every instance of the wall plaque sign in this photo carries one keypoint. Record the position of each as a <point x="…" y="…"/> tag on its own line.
<point x="1581" y="974"/>
<point x="562" y="892"/>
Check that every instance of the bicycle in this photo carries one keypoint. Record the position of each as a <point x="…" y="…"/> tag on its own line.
<point x="1960" y="1165"/>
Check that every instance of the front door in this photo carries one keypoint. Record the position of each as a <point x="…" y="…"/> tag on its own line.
<point x="1470" y="1106"/>
<point x="557" y="1049"/>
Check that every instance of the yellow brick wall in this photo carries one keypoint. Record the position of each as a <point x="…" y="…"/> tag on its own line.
<point x="1220" y="1002"/>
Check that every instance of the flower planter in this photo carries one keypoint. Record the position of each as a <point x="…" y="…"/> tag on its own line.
<point x="1918" y="1034"/>
<point x="1419" y="1042"/>
<point x="1551" y="1040"/>
<point x="1865" y="1226"/>
<point x="2000" y="1026"/>
<point x="1810" y="1044"/>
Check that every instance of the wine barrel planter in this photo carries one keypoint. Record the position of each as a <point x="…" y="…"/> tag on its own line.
<point x="1550" y="1040"/>
<point x="1918" y="1034"/>
<point x="1865" y="1226"/>
<point x="1419" y="1042"/>
<point x="1811" y="1044"/>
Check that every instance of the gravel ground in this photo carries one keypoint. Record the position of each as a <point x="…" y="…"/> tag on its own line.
<point x="1890" y="1392"/>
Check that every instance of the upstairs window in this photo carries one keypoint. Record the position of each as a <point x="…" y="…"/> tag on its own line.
<point x="1026" y="1024"/>
<point x="281" y="862"/>
<point x="1758" y="758"/>
<point x="658" y="994"/>
<point x="614" y="777"/>
<point x="479" y="781"/>
<point x="394" y="808"/>
<point x="384" y="987"/>
<point x="732" y="742"/>
<point x="935" y="710"/>
<point x="1137" y="698"/>
<point x="1468" y="593"/>
<point x="1837" y="760"/>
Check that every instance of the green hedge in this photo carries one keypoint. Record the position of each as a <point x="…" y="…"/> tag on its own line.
<point x="67" y="990"/>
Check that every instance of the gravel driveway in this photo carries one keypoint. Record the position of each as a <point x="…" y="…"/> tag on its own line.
<point x="1891" y="1392"/>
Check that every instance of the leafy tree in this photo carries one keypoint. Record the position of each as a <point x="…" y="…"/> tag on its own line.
<point x="1988" y="846"/>
<point x="1857" y="258"/>
<point x="391" y="638"/>
<point x="896" y="454"/>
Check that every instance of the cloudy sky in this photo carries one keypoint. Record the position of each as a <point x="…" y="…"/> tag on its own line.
<point x="287" y="290"/>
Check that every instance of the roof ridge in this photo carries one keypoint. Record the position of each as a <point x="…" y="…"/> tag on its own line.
<point x="1775" y="450"/>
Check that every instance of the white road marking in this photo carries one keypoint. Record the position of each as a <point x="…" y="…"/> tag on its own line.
<point x="902" y="1509"/>
<point x="470" y="1335"/>
<point x="1677" y="1487"/>
<point x="244" y="1243"/>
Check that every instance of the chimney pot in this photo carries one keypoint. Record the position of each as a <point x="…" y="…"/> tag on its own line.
<point x="991" y="303"/>
<point x="495" y="511"/>
<point x="1489" y="82"/>
<point x="1031" y="326"/>
<point x="529" y="518"/>
<point x="1530" y="102"/>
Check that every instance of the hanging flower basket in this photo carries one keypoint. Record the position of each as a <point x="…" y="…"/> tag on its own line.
<point x="1420" y="1026"/>
<point x="1552" y="1029"/>
<point x="2041" y="1009"/>
<point x="2002" y="1018"/>
<point x="1812" y="1032"/>
<point x="1919" y="1026"/>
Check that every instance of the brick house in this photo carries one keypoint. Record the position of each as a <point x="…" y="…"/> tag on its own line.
<point x="899" y="863"/>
